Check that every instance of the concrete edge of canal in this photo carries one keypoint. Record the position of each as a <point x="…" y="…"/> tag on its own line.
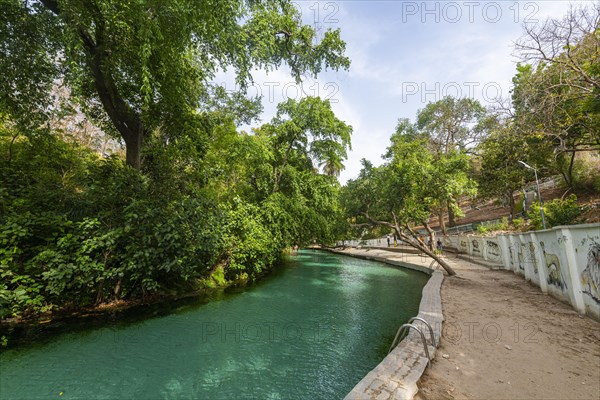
<point x="396" y="376"/>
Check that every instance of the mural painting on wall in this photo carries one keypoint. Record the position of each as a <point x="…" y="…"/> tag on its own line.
<point x="590" y="277"/>
<point x="476" y="248"/>
<point x="555" y="276"/>
<point x="493" y="249"/>
<point x="463" y="245"/>
<point x="521" y="256"/>
<point x="532" y="252"/>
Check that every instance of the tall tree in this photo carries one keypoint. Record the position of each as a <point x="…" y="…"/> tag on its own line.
<point x="144" y="66"/>
<point x="452" y="125"/>
<point x="404" y="192"/>
<point x="500" y="173"/>
<point x="557" y="95"/>
<point x="308" y="129"/>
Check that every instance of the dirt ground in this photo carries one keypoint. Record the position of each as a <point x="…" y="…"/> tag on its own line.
<point x="504" y="339"/>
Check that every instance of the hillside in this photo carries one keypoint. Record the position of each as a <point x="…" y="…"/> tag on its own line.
<point x="492" y="209"/>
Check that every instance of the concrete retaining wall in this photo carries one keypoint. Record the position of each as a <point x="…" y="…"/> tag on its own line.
<point x="563" y="261"/>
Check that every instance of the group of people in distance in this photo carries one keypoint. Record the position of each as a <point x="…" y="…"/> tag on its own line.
<point x="439" y="244"/>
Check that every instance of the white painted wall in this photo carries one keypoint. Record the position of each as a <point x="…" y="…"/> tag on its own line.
<point x="563" y="261"/>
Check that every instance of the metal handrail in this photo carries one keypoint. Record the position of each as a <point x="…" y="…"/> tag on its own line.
<point x="408" y="326"/>
<point x="428" y="325"/>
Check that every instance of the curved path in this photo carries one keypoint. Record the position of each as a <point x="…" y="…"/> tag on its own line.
<point x="504" y="339"/>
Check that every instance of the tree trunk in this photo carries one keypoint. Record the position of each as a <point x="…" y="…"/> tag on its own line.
<point x="417" y="245"/>
<point x="279" y="174"/>
<point x="117" y="290"/>
<point x="451" y="219"/>
<point x="570" y="170"/>
<point x="133" y="151"/>
<point x="441" y="220"/>
<point x="125" y="119"/>
<point x="100" y="293"/>
<point x="511" y="206"/>
<point x="439" y="260"/>
<point x="431" y="235"/>
<point x="412" y="242"/>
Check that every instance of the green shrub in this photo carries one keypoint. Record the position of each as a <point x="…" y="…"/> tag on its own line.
<point x="556" y="212"/>
<point x="485" y="228"/>
<point x="252" y="248"/>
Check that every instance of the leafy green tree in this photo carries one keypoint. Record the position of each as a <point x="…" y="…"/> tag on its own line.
<point x="403" y="193"/>
<point x="500" y="173"/>
<point x="556" y="212"/>
<point x="308" y="131"/>
<point x="451" y="125"/>
<point x="276" y="167"/>
<point x="143" y="68"/>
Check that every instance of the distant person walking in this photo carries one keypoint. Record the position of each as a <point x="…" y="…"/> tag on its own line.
<point x="439" y="245"/>
<point x="388" y="240"/>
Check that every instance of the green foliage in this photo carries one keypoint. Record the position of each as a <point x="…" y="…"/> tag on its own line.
<point x="145" y="68"/>
<point x="518" y="223"/>
<point x="103" y="231"/>
<point x="555" y="97"/>
<point x="556" y="212"/>
<point x="252" y="248"/>
<point x="195" y="201"/>
<point x="410" y="186"/>
<point x="500" y="173"/>
<point x="486" y="228"/>
<point x="451" y="123"/>
<point x="503" y="225"/>
<point x="586" y="175"/>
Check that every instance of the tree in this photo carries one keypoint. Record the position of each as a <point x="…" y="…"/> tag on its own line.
<point x="557" y="96"/>
<point x="308" y="129"/>
<point x="451" y="125"/>
<point x="276" y="169"/>
<point x="143" y="67"/>
<point x="500" y="173"/>
<point x="402" y="193"/>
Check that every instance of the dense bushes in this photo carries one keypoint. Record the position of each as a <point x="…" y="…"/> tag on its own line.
<point x="77" y="230"/>
<point x="212" y="206"/>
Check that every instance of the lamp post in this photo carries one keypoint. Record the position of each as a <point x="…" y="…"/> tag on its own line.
<point x="538" y="191"/>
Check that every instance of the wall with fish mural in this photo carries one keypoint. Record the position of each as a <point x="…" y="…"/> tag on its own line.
<point x="563" y="261"/>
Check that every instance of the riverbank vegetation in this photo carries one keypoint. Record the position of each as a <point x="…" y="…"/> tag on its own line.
<point x="188" y="201"/>
<point x="125" y="173"/>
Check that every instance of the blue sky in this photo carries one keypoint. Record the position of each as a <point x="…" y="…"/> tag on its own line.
<point x="405" y="54"/>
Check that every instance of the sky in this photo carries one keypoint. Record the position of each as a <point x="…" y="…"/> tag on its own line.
<point x="405" y="54"/>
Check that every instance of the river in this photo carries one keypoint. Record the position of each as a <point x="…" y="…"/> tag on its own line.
<point x="311" y="330"/>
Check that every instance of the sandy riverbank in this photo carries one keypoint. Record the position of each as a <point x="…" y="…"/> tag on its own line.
<point x="504" y="339"/>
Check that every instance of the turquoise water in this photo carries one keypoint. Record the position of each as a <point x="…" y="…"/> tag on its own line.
<point x="311" y="331"/>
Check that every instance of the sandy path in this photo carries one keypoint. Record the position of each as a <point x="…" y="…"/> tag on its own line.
<point x="505" y="339"/>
